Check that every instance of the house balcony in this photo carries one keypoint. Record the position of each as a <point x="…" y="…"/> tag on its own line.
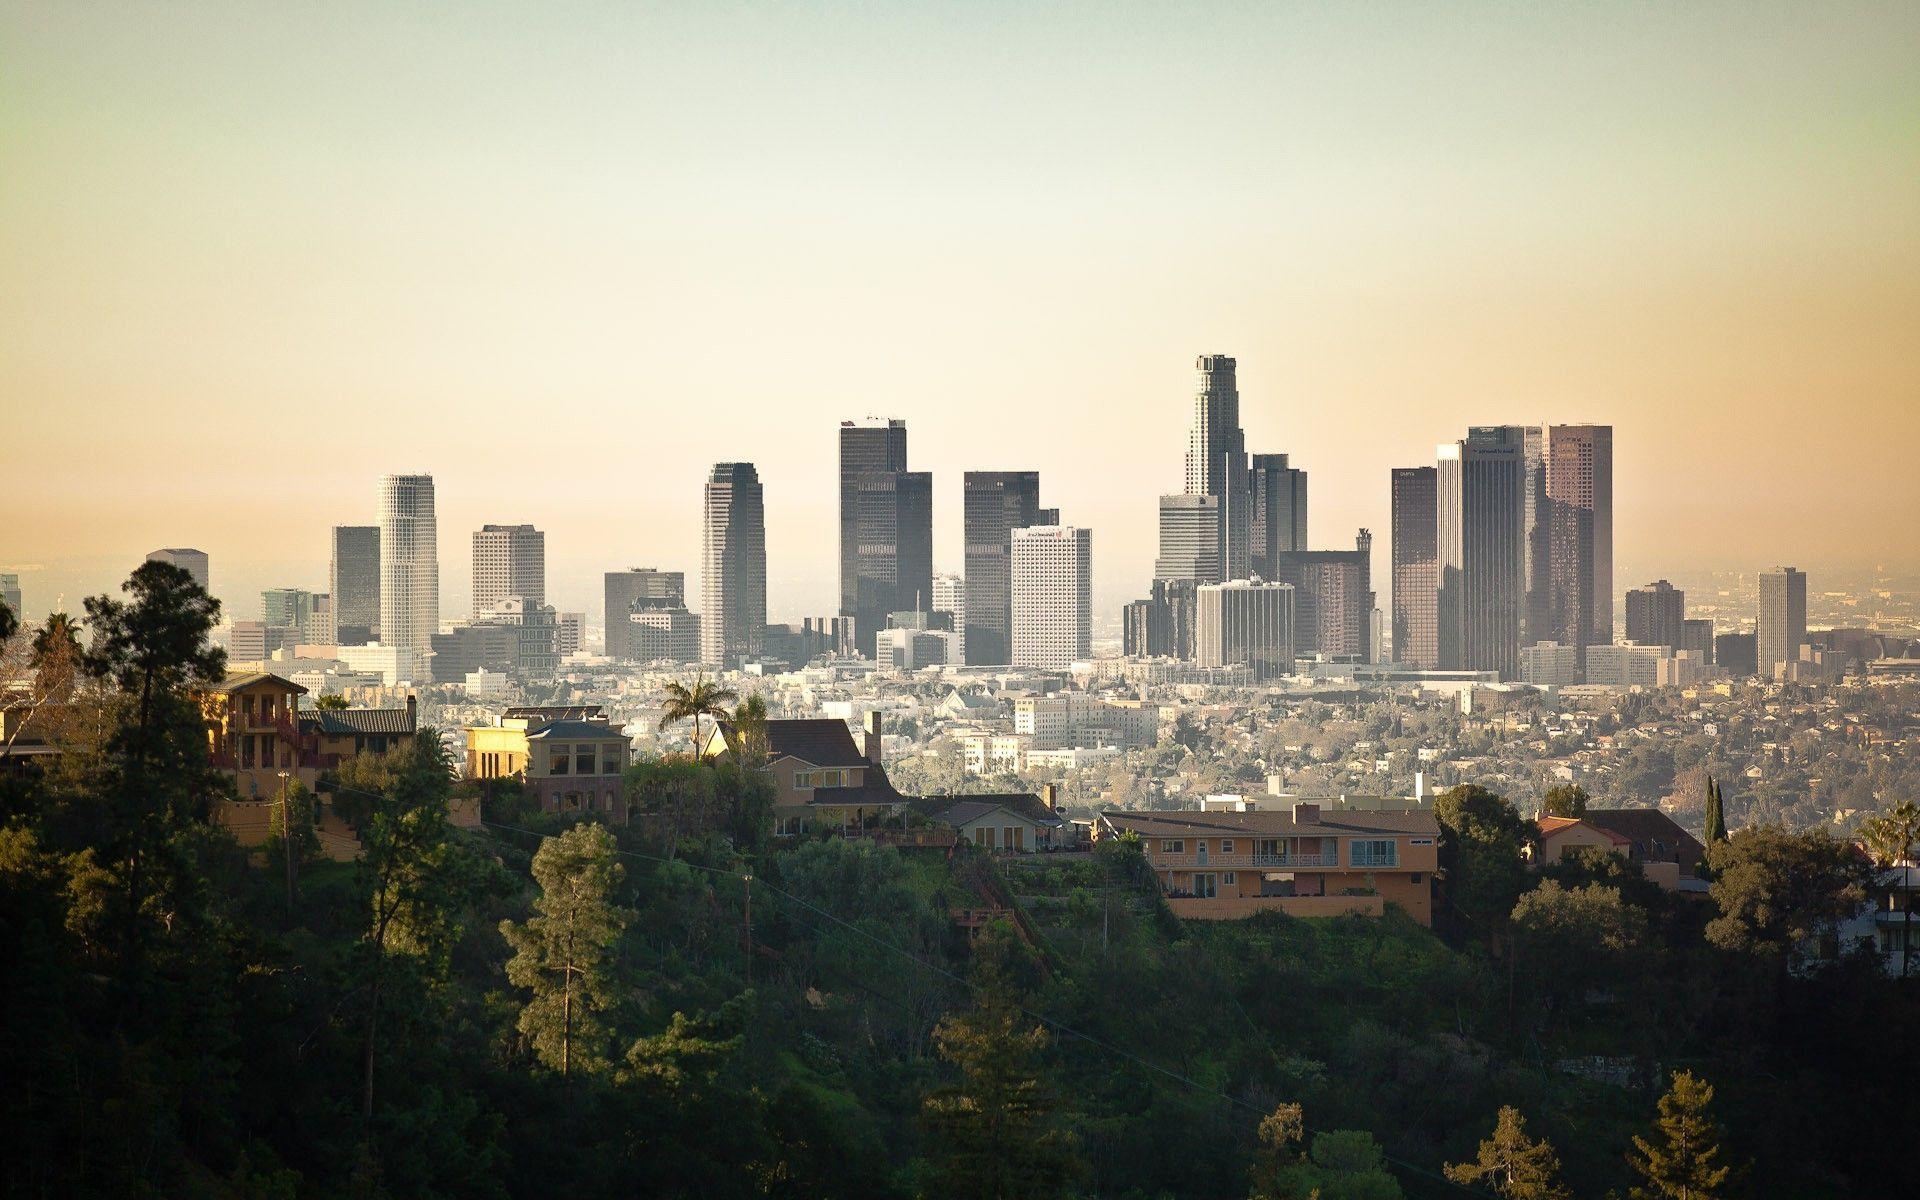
<point x="1243" y="862"/>
<point x="1235" y="908"/>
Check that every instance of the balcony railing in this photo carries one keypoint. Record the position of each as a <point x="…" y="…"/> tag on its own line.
<point x="1239" y="861"/>
<point x="1328" y="858"/>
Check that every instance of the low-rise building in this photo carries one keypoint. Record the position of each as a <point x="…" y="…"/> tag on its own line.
<point x="822" y="778"/>
<point x="1667" y="854"/>
<point x="1306" y="862"/>
<point x="1015" y="822"/>
<point x="570" y="759"/>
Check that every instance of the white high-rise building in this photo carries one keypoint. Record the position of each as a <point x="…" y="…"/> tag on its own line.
<point x="950" y="596"/>
<point x="733" y="592"/>
<point x="1242" y="623"/>
<point x="508" y="561"/>
<point x="409" y="564"/>
<point x="1052" y="596"/>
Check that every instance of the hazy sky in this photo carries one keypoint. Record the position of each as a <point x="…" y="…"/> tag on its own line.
<point x="566" y="256"/>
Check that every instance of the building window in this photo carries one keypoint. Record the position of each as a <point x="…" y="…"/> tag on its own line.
<point x="557" y="760"/>
<point x="1173" y="846"/>
<point x="1384" y="852"/>
<point x="1204" y="887"/>
<point x="1226" y="845"/>
<point x="583" y="761"/>
<point x="1230" y="879"/>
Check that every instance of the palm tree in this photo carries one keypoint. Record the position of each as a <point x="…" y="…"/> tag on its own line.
<point x="1890" y="838"/>
<point x="748" y="740"/>
<point x="695" y="702"/>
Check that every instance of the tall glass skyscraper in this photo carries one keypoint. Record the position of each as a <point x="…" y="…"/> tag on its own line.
<point x="354" y="578"/>
<point x="997" y="503"/>
<point x="733" y="618"/>
<point x="886" y="527"/>
<point x="1480" y="543"/>
<point x="508" y="561"/>
<point x="410" y="563"/>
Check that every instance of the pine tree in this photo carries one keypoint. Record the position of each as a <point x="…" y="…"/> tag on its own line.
<point x="992" y="1134"/>
<point x="1716" y="825"/>
<point x="1682" y="1166"/>
<point x="563" y="954"/>
<point x="1514" y="1166"/>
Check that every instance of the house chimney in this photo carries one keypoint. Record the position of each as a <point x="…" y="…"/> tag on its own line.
<point x="1306" y="814"/>
<point x="1050" y="796"/>
<point x="872" y="747"/>
<point x="413" y="712"/>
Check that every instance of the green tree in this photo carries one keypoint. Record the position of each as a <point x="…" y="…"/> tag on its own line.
<point x="153" y="647"/>
<point x="331" y="702"/>
<point x="1484" y="842"/>
<point x="1890" y="838"/>
<point x="564" y="955"/>
<point x="1715" y="829"/>
<point x="696" y="701"/>
<point x="1564" y="800"/>
<point x="992" y="1133"/>
<point x="1781" y="893"/>
<point x="1570" y="941"/>
<point x="1512" y="1165"/>
<point x="1680" y="1163"/>
<point x="1343" y="1164"/>
<point x="408" y="875"/>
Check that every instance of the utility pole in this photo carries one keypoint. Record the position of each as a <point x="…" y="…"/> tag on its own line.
<point x="748" y="879"/>
<point x="286" y="842"/>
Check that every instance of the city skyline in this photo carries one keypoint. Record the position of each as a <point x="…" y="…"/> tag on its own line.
<point x="1393" y="250"/>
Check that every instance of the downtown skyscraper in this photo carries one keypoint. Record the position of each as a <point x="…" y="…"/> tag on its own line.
<point x="353" y="577"/>
<point x="996" y="504"/>
<point x="886" y="527"/>
<point x="1578" y="495"/>
<point x="733" y="590"/>
<point x="409" y="563"/>
<point x="1052" y="596"/>
<point x="1216" y="463"/>
<point x="1480" y="550"/>
<point x="1780" y="628"/>
<point x="1416" y="567"/>
<point x="509" y="561"/>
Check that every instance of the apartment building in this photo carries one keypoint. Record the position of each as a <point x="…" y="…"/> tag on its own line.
<point x="1306" y="862"/>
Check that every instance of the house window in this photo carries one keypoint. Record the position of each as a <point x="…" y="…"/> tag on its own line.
<point x="1205" y="887"/>
<point x="1230" y="879"/>
<point x="1226" y="845"/>
<point x="583" y="761"/>
<point x="1173" y="846"/>
<point x="609" y="761"/>
<point x="1384" y="852"/>
<point x="557" y="760"/>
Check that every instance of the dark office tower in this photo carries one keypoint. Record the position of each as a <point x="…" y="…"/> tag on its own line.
<point x="639" y="589"/>
<point x="1536" y="624"/>
<point x="354" y="580"/>
<point x="1696" y="635"/>
<point x="1279" y="520"/>
<point x="733" y="617"/>
<point x="1416" y="568"/>
<point x="1657" y="615"/>
<point x="886" y="527"/>
<point x="1217" y="460"/>
<point x="1480" y="543"/>
<point x="871" y="446"/>
<point x="1332" y="599"/>
<point x="1782" y="626"/>
<point x="1144" y="625"/>
<point x="1579" y="575"/>
<point x="508" y="561"/>
<point x="1737" y="654"/>
<point x="996" y="504"/>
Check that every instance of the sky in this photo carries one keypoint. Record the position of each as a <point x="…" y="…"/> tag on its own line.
<point x="565" y="256"/>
